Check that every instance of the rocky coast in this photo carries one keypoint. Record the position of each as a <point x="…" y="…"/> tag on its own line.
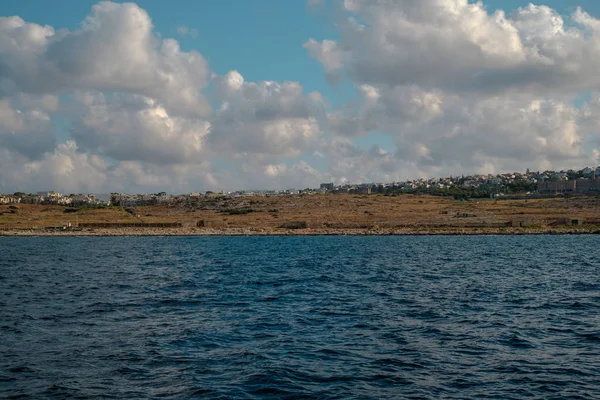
<point x="293" y="232"/>
<point x="327" y="214"/>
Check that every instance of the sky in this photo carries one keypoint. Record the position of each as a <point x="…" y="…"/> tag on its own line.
<point x="187" y="96"/>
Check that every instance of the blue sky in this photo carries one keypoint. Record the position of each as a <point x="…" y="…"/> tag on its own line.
<point x="265" y="40"/>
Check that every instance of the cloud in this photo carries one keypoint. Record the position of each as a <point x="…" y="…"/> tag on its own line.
<point x="136" y="128"/>
<point x="451" y="85"/>
<point x="275" y="170"/>
<point x="136" y="112"/>
<point x="184" y="31"/>
<point x="460" y="46"/>
<point x="63" y="169"/>
<point x="350" y="163"/>
<point x="329" y="55"/>
<point x="264" y="119"/>
<point x="29" y="133"/>
<point x="298" y="175"/>
<point x="70" y="170"/>
<point x="459" y="88"/>
<point x="114" y="50"/>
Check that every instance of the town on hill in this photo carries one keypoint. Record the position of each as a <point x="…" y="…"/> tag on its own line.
<point x="533" y="184"/>
<point x="512" y="203"/>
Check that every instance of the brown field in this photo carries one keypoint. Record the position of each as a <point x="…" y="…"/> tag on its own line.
<point x="331" y="213"/>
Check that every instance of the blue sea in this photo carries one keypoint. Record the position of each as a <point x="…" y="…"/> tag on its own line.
<point x="336" y="317"/>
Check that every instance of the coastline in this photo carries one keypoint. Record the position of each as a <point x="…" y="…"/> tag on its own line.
<point x="295" y="232"/>
<point x="339" y="215"/>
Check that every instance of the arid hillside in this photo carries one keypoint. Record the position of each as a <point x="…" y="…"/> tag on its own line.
<point x="324" y="211"/>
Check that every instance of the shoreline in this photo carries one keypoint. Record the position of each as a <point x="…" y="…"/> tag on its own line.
<point x="338" y="215"/>
<point x="296" y="232"/>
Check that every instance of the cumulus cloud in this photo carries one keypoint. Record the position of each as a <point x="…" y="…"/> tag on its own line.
<point x="275" y="170"/>
<point x="184" y="31"/>
<point x="352" y="164"/>
<point x="460" y="46"/>
<point x="460" y="88"/>
<point x="70" y="170"/>
<point x="114" y="50"/>
<point x="29" y="133"/>
<point x="135" y="128"/>
<point x="455" y="86"/>
<point x="265" y="119"/>
<point x="330" y="56"/>
<point x="63" y="168"/>
<point x="297" y="175"/>
<point x="136" y="111"/>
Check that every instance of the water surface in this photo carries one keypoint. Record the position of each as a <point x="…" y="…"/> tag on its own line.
<point x="300" y="317"/>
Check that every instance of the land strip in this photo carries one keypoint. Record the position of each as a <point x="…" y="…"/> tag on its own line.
<point x="321" y="214"/>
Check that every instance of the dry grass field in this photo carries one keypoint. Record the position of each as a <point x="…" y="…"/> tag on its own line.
<point x="327" y="212"/>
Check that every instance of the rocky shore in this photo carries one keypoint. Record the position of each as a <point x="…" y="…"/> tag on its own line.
<point x="294" y="232"/>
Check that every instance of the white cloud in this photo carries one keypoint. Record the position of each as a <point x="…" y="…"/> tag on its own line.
<point x="460" y="46"/>
<point x="299" y="175"/>
<point x="114" y="50"/>
<point x="458" y="88"/>
<point x="64" y="169"/>
<point x="329" y="55"/>
<point x="136" y="128"/>
<point x="184" y="31"/>
<point x="264" y="119"/>
<point x="69" y="170"/>
<point x="350" y="163"/>
<point x="29" y="132"/>
<point x="455" y="87"/>
<point x="275" y="169"/>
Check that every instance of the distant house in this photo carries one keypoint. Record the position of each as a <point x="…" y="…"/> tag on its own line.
<point x="559" y="186"/>
<point x="587" y="185"/>
<point x="31" y="199"/>
<point x="213" y="194"/>
<point x="82" y="199"/>
<point x="571" y="186"/>
<point x="50" y="197"/>
<point x="326" y="186"/>
<point x="9" y="199"/>
<point x="360" y="190"/>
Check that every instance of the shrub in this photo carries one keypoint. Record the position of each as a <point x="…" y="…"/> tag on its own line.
<point x="238" y="211"/>
<point x="294" y="225"/>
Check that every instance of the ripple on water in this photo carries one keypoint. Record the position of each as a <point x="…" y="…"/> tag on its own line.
<point x="300" y="317"/>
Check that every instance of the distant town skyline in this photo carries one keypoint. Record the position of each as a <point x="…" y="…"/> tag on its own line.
<point x="185" y="96"/>
<point x="557" y="181"/>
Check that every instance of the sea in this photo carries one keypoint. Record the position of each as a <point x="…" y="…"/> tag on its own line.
<point x="320" y="317"/>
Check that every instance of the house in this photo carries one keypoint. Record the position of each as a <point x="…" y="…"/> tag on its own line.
<point x="50" y="197"/>
<point x="31" y="199"/>
<point x="82" y="199"/>
<point x="558" y="186"/>
<point x="519" y="223"/>
<point x="568" y="221"/>
<point x="587" y="185"/>
<point x="9" y="199"/>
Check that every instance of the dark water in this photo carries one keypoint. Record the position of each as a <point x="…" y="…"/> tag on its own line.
<point x="300" y="317"/>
